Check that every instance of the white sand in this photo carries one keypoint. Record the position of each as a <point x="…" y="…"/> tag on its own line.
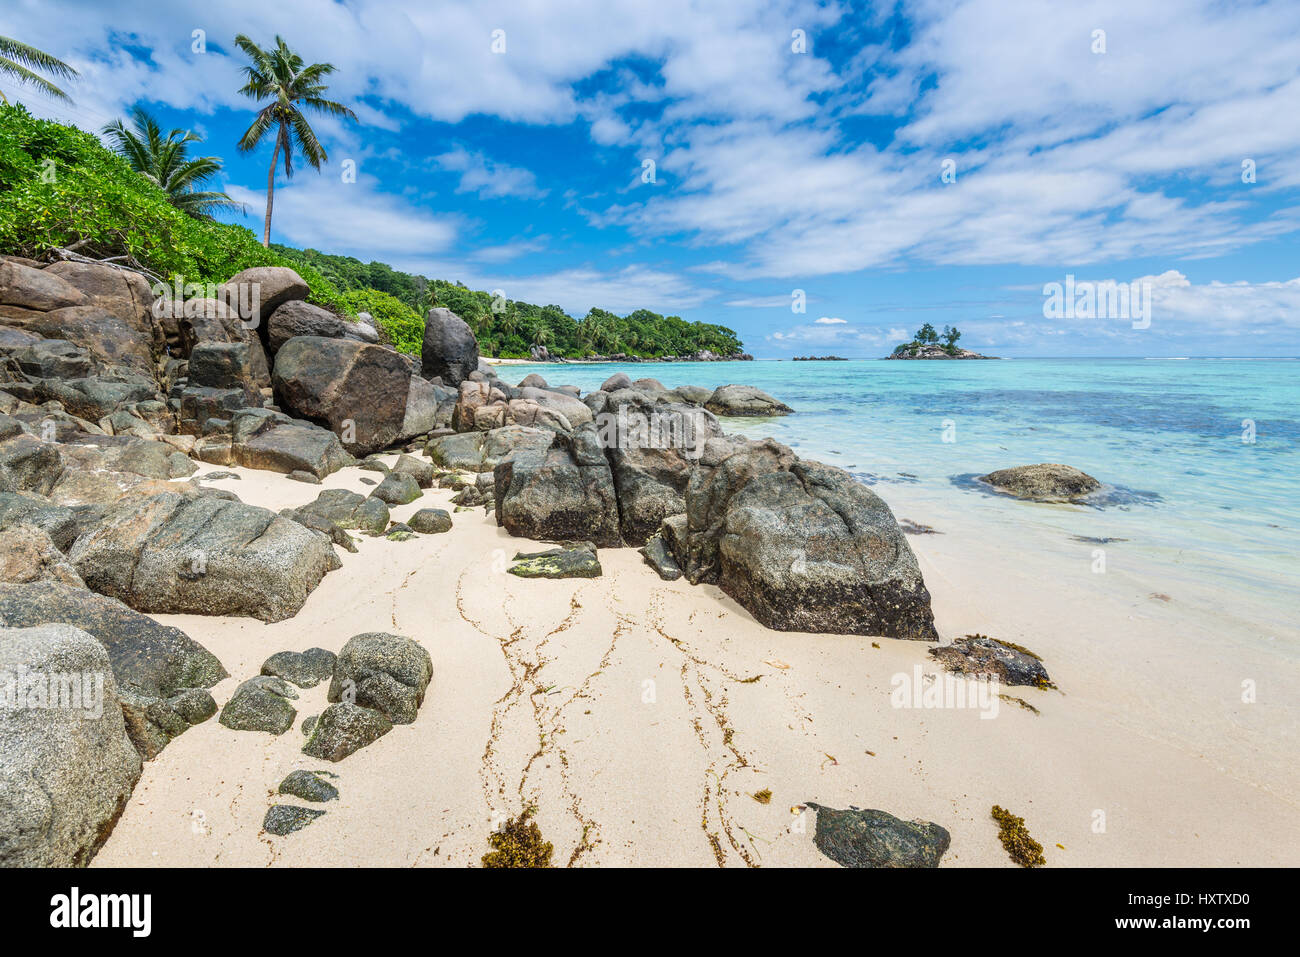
<point x="622" y="709"/>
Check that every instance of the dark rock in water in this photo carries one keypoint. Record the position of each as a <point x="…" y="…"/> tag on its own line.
<point x="658" y="557"/>
<point x="574" y="562"/>
<point x="430" y="521"/>
<point x="985" y="657"/>
<point x="561" y="495"/>
<point x="358" y="390"/>
<point x="744" y="400"/>
<point x="449" y="351"/>
<point x="344" y="728"/>
<point x="868" y="838"/>
<point x="202" y="555"/>
<point x="619" y="380"/>
<point x="284" y="819"/>
<point x="306" y="669"/>
<point x="1043" y="483"/>
<point x="261" y="704"/>
<point x="67" y="772"/>
<point x="388" y="673"/>
<point x="397" y="488"/>
<point x="532" y="380"/>
<point x="799" y="544"/>
<point x="153" y="665"/>
<point x="310" y="786"/>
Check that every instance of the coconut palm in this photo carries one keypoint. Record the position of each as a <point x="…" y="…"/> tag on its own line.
<point x="22" y="62"/>
<point x="166" y="162"/>
<point x="279" y="74"/>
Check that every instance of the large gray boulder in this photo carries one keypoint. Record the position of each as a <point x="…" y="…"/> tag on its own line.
<point x="482" y="451"/>
<point x="67" y="767"/>
<point x="36" y="290"/>
<point x="348" y="510"/>
<point x="274" y="442"/>
<point x="450" y="351"/>
<point x="297" y="318"/>
<point x="744" y="400"/>
<point x="203" y="555"/>
<point x="256" y="293"/>
<point x="1043" y="483"/>
<point x="160" y="671"/>
<point x="563" y="494"/>
<point x="801" y="545"/>
<point x="358" y="391"/>
<point x="871" y="838"/>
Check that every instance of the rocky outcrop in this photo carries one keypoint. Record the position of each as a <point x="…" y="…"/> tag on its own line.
<point x="30" y="555"/>
<point x="263" y="439"/>
<point x="483" y="451"/>
<point x="1043" y="483"/>
<point x="67" y="767"/>
<point x="255" y="294"/>
<point x="450" y="351"/>
<point x="296" y="318"/>
<point x="203" y="555"/>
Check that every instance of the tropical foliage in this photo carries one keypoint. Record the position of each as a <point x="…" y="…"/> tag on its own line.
<point x="279" y="75"/>
<point x="59" y="186"/>
<point x="166" y="162"/>
<point x="25" y="64"/>
<point x="509" y="327"/>
<point x="927" y="336"/>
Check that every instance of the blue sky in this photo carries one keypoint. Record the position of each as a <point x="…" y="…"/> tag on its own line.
<point x="779" y="166"/>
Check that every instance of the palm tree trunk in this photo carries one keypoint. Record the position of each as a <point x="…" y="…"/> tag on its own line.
<point x="270" y="193"/>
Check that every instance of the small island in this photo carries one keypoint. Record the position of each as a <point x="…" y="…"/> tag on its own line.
<point x="927" y="345"/>
<point x="819" y="359"/>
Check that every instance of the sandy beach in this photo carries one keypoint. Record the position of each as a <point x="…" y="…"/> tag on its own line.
<point x="639" y="718"/>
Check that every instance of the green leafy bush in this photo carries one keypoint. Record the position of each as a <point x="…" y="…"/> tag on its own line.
<point x="403" y="326"/>
<point x="60" y="186"/>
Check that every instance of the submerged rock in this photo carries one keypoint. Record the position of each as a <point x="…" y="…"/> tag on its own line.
<point x="744" y="400"/>
<point x="1043" y="483"/>
<point x="870" y="838"/>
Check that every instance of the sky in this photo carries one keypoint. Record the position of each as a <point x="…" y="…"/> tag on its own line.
<point x="821" y="177"/>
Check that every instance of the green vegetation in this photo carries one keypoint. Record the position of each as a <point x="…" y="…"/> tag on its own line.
<point x="509" y="328"/>
<point x="166" y="161"/>
<point x="926" y="336"/>
<point x="518" y="844"/>
<point x="60" y="188"/>
<point x="1021" y="848"/>
<point x="26" y="64"/>
<point x="279" y="74"/>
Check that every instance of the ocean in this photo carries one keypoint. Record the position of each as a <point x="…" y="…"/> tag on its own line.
<point x="1200" y="457"/>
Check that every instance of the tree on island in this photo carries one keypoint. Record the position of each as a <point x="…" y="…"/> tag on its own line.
<point x="950" y="337"/>
<point x="279" y="74"/>
<point x="926" y="334"/>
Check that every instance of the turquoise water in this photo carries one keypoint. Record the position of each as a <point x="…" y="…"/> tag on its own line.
<point x="1166" y="436"/>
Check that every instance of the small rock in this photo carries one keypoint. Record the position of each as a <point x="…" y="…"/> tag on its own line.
<point x="284" y="819"/>
<point x="298" y="475"/>
<point x="386" y="672"/>
<point x="869" y="838"/>
<point x="657" y="556"/>
<point x="984" y="657"/>
<point x="344" y="728"/>
<point x="310" y="786"/>
<point x="430" y="521"/>
<point x="397" y="488"/>
<point x="576" y="562"/>
<point x="1043" y="483"/>
<point x="400" y="532"/>
<point x="306" y="669"/>
<point x="261" y="704"/>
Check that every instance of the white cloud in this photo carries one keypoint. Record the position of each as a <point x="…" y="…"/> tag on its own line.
<point x="490" y="180"/>
<point x="831" y="321"/>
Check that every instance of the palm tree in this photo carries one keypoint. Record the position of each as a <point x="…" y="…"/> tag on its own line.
<point x="21" y="62"/>
<point x="166" y="162"/>
<point x="280" y="75"/>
